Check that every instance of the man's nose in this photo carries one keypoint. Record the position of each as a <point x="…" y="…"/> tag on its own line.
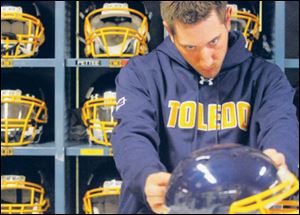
<point x="206" y="58"/>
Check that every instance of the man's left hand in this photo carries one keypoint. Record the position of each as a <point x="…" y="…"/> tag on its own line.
<point x="277" y="157"/>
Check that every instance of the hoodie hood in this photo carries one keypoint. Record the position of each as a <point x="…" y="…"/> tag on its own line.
<point x="236" y="54"/>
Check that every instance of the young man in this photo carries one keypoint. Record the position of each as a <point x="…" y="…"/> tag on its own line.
<point x="199" y="87"/>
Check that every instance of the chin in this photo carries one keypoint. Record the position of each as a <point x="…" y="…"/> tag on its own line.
<point x="209" y="74"/>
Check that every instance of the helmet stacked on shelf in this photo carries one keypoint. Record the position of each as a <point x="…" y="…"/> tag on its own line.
<point x="24" y="189"/>
<point x="22" y="32"/>
<point x="115" y="29"/>
<point x="102" y="190"/>
<point x="246" y="21"/>
<point x="98" y="109"/>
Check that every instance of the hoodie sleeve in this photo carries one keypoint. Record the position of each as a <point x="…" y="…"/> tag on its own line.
<point x="279" y="128"/>
<point x="135" y="139"/>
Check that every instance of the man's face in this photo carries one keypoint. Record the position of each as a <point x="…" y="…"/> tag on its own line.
<point x="203" y="44"/>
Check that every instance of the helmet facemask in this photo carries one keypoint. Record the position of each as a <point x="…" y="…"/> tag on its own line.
<point x="21" y="34"/>
<point x="21" y="197"/>
<point x="115" y="31"/>
<point x="103" y="200"/>
<point x="97" y="116"/>
<point x="22" y="117"/>
<point x="247" y="23"/>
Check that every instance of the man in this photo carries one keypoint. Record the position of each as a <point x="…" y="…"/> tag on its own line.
<point x="199" y="87"/>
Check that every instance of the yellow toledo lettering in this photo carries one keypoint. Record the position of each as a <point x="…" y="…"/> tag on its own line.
<point x="201" y="125"/>
<point x="226" y="116"/>
<point x="243" y="109"/>
<point x="187" y="115"/>
<point x="212" y="117"/>
<point x="174" y="106"/>
<point x="229" y="115"/>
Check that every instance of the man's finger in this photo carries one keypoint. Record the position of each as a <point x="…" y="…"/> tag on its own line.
<point x="156" y="191"/>
<point x="160" y="209"/>
<point x="156" y="200"/>
<point x="162" y="178"/>
<point x="278" y="158"/>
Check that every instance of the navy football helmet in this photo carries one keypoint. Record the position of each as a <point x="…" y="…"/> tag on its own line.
<point x="231" y="178"/>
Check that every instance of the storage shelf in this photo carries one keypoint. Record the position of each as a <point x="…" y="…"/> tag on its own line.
<point x="92" y="62"/>
<point x="31" y="63"/>
<point x="40" y="149"/>
<point x="86" y="149"/>
<point x="291" y="63"/>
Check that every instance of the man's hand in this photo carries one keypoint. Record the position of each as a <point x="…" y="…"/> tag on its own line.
<point x="155" y="190"/>
<point x="277" y="157"/>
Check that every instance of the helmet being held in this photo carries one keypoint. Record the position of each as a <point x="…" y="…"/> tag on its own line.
<point x="231" y="178"/>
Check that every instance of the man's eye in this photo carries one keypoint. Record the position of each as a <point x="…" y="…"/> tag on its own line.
<point x="214" y="42"/>
<point x="190" y="48"/>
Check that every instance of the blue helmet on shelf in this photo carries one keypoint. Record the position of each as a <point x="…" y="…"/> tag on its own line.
<point x="230" y="178"/>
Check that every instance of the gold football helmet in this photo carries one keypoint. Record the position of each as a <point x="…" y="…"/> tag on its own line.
<point x="22" y="32"/>
<point x="22" y="117"/>
<point x="103" y="199"/>
<point x="246" y="22"/>
<point x="97" y="117"/>
<point x="19" y="196"/>
<point x="115" y="29"/>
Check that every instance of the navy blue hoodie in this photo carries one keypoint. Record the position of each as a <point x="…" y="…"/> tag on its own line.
<point x="166" y="110"/>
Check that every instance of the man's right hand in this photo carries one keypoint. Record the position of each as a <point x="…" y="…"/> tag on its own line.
<point x="155" y="190"/>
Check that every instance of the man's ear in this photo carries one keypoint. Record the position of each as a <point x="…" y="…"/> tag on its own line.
<point x="169" y="31"/>
<point x="229" y="12"/>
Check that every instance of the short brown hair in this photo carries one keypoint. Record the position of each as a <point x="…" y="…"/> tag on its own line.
<point x="190" y="12"/>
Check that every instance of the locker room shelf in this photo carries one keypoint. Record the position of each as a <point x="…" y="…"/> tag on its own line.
<point x="41" y="149"/>
<point x="42" y="62"/>
<point x="291" y="63"/>
<point x="92" y="62"/>
<point x="86" y="149"/>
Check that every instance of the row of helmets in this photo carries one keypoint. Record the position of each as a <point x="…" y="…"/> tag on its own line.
<point x="111" y="29"/>
<point x="29" y="189"/>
